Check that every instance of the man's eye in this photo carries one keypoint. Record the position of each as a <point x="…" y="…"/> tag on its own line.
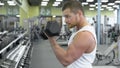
<point x="67" y="16"/>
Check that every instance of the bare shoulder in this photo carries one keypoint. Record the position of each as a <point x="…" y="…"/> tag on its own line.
<point x="84" y="40"/>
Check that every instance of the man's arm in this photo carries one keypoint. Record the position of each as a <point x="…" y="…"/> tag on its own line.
<point x="83" y="42"/>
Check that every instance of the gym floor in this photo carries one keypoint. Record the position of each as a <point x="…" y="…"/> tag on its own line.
<point x="43" y="56"/>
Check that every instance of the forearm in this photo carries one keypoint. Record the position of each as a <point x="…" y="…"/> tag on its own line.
<point x="60" y="53"/>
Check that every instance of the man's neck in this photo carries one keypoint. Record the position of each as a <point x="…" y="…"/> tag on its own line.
<point x="82" y="24"/>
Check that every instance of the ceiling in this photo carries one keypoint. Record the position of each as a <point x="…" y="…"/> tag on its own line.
<point x="105" y="4"/>
<point x="92" y="4"/>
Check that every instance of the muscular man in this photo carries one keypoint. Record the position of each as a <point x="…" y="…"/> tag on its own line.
<point x="82" y="44"/>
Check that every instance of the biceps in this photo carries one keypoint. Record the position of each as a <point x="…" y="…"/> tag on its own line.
<point x="74" y="52"/>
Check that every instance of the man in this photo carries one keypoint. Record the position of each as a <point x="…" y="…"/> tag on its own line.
<point x="82" y="44"/>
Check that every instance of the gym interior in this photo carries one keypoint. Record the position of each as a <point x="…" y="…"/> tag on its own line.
<point x="22" y="44"/>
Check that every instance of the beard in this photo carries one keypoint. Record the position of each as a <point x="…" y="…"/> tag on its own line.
<point x="71" y="25"/>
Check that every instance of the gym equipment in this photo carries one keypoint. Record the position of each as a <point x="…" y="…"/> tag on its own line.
<point x="65" y="35"/>
<point x="6" y="39"/>
<point x="52" y="29"/>
<point x="36" y="29"/>
<point x="18" y="56"/>
<point x="107" y="56"/>
<point x="110" y="55"/>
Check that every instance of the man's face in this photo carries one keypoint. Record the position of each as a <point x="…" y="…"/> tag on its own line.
<point x="70" y="18"/>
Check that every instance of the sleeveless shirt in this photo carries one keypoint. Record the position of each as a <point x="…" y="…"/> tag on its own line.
<point x="86" y="60"/>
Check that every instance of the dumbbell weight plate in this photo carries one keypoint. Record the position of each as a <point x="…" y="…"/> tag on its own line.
<point x="52" y="28"/>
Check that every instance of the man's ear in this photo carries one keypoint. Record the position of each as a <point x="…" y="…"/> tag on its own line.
<point x="79" y="12"/>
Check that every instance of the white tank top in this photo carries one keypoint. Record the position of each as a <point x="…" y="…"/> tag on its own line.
<point x="86" y="60"/>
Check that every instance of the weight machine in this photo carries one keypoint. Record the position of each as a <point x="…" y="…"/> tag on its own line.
<point x="111" y="55"/>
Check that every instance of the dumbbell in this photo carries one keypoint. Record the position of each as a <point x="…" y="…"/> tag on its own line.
<point x="52" y="29"/>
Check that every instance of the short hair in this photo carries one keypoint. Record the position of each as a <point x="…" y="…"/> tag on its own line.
<point x="73" y="5"/>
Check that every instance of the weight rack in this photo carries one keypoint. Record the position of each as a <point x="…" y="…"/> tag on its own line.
<point x="17" y="54"/>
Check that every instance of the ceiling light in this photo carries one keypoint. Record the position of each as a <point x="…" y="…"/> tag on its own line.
<point x="110" y="3"/>
<point x="110" y="9"/>
<point x="9" y="2"/>
<point x="104" y="5"/>
<point x="117" y="1"/>
<point x="59" y="0"/>
<point x="54" y="16"/>
<point x="91" y="9"/>
<point x="44" y="3"/>
<point x="104" y="0"/>
<point x="17" y="15"/>
<point x="84" y="3"/>
<point x="102" y="9"/>
<point x="12" y="3"/>
<point x="56" y="2"/>
<point x="97" y="7"/>
<point x="97" y="3"/>
<point x="55" y="5"/>
<point x="2" y="3"/>
<point x="90" y="0"/>
<point x="92" y="5"/>
<point x="45" y="0"/>
<point x="116" y="6"/>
